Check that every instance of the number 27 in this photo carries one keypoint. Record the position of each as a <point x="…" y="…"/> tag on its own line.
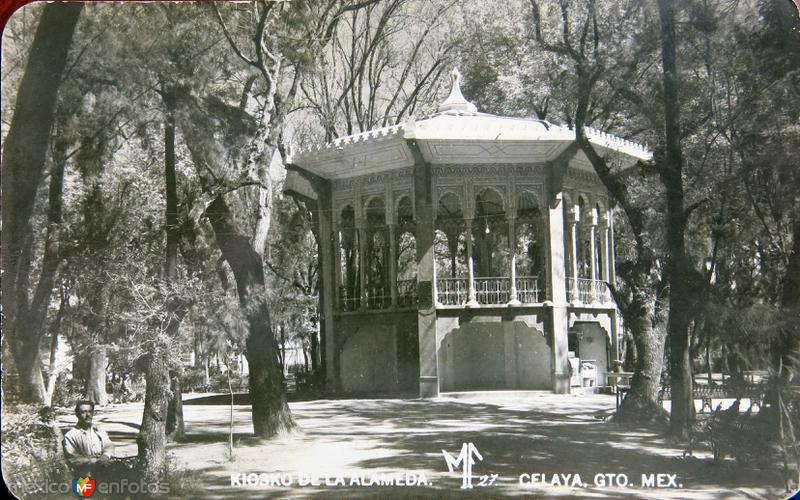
<point x="488" y="480"/>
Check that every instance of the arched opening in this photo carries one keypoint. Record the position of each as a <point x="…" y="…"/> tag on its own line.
<point x="490" y="233"/>
<point x="584" y="235"/>
<point x="350" y="286"/>
<point x="530" y="249"/>
<point x="406" y="253"/>
<point x="376" y="263"/>
<point x="449" y="244"/>
<point x="492" y="258"/>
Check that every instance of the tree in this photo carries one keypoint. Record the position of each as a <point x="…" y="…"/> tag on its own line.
<point x="676" y="266"/>
<point x="598" y="47"/>
<point x="292" y="258"/>
<point x="232" y="151"/>
<point x="24" y="152"/>
<point x="178" y="309"/>
<point x="384" y="63"/>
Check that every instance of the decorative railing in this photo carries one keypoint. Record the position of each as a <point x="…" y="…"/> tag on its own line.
<point x="449" y="292"/>
<point x="348" y="302"/>
<point x="588" y="291"/>
<point x="492" y="291"/>
<point x="528" y="289"/>
<point x="488" y="291"/>
<point x="406" y="293"/>
<point x="452" y="291"/>
<point x="377" y="298"/>
<point x="601" y="292"/>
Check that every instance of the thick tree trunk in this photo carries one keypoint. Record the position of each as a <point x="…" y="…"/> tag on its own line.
<point x="282" y="351"/>
<point x="33" y="317"/>
<point x="97" y="359"/>
<point x="314" y="348"/>
<point x="32" y="382"/>
<point x="671" y="169"/>
<point x="630" y="353"/>
<point x="177" y="310"/>
<point x="175" y="427"/>
<point x="270" y="411"/>
<point x="788" y="344"/>
<point x="152" y="439"/>
<point x="640" y="405"/>
<point x="200" y="130"/>
<point x="23" y="159"/>
<point x="95" y="389"/>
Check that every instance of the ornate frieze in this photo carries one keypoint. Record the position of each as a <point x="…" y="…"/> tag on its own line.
<point x="377" y="179"/>
<point x="583" y="177"/>
<point x="509" y="181"/>
<point x="485" y="151"/>
<point x="497" y="172"/>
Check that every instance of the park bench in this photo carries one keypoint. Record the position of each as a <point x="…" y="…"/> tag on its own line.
<point x="705" y="393"/>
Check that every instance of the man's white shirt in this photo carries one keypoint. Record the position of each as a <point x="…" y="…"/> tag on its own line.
<point x="91" y="442"/>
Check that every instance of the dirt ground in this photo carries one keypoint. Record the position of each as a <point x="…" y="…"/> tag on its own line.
<point x="532" y="444"/>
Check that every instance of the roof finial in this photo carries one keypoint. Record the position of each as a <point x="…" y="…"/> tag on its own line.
<point x="456" y="101"/>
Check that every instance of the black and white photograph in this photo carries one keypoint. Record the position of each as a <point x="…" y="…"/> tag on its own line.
<point x="400" y="249"/>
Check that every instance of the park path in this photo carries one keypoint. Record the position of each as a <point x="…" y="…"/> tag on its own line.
<point x="517" y="434"/>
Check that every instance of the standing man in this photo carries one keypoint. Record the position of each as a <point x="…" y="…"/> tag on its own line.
<point x="86" y="446"/>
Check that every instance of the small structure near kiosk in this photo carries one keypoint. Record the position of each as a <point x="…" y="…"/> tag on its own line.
<point x="463" y="251"/>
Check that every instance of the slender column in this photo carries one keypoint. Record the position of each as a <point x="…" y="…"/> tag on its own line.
<point x="393" y="263"/>
<point x="471" y="301"/>
<point x="593" y="245"/>
<point x="512" y="249"/>
<point x="612" y="268"/>
<point x="614" y="338"/>
<point x="604" y="258"/>
<point x="337" y="270"/>
<point x="593" y="250"/>
<point x="362" y="265"/>
<point x="574" y="251"/>
<point x="436" y="302"/>
<point x="604" y="251"/>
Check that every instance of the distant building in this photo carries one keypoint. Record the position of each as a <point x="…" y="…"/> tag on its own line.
<point x="464" y="251"/>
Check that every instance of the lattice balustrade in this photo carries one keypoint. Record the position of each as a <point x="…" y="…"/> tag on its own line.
<point x="601" y="292"/>
<point x="378" y="298"/>
<point x="588" y="291"/>
<point x="406" y="293"/>
<point x="528" y="289"/>
<point x="452" y="291"/>
<point x="492" y="291"/>
<point x="488" y="291"/>
<point x="348" y="302"/>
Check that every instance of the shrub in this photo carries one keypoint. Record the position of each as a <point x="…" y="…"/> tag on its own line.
<point x="31" y="451"/>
